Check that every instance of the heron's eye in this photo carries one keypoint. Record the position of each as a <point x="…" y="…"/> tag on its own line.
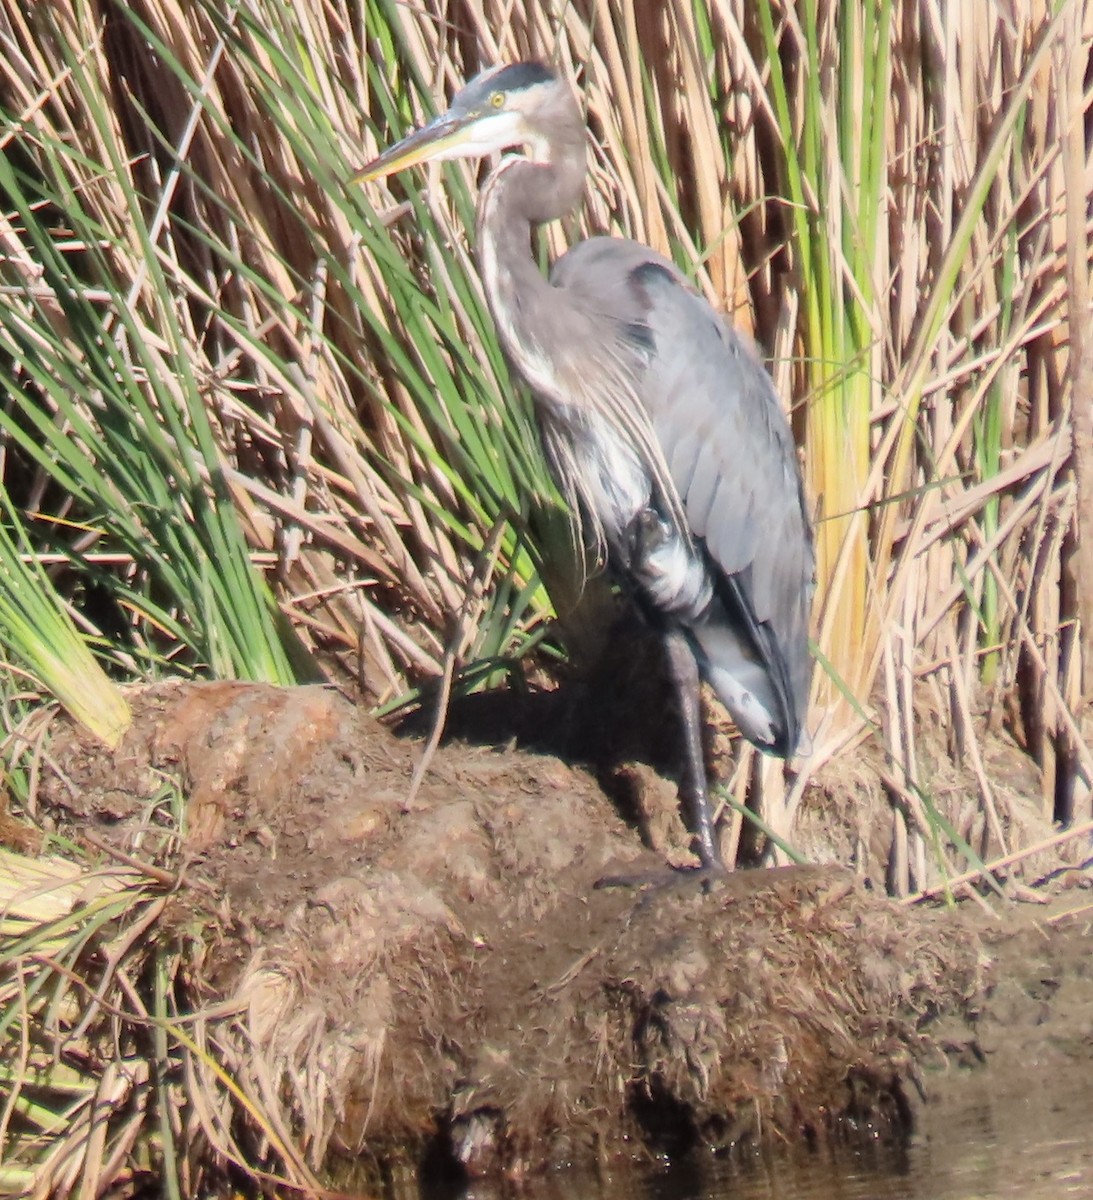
<point x="498" y="100"/>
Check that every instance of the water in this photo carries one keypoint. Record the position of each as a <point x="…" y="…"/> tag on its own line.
<point x="976" y="1144"/>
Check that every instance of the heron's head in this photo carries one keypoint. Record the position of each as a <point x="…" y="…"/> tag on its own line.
<point x="524" y="104"/>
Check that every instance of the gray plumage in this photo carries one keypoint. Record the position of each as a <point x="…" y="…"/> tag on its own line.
<point x="661" y="423"/>
<point x="741" y="572"/>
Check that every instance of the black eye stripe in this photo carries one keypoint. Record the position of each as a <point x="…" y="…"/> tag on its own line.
<point x="520" y="76"/>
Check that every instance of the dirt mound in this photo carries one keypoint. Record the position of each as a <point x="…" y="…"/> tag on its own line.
<point x="444" y="977"/>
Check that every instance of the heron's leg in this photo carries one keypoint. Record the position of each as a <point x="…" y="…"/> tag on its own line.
<point x="684" y="669"/>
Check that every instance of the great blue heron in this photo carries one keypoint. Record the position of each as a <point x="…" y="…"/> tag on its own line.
<point x="661" y="424"/>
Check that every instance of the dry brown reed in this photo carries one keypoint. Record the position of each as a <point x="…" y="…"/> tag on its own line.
<point x="954" y="574"/>
<point x="954" y="491"/>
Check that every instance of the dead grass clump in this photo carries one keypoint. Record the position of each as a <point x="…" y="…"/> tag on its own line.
<point x="345" y="973"/>
<point x="87" y="1085"/>
<point x="802" y="1001"/>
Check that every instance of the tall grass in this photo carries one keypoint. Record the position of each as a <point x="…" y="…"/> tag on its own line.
<point x="250" y="423"/>
<point x="110" y="413"/>
<point x="41" y="634"/>
<point x="214" y="345"/>
<point x="202" y="336"/>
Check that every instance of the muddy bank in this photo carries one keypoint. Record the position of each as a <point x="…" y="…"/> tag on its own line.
<point x="442" y="978"/>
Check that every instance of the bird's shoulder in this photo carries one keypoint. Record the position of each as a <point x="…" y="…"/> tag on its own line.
<point x="645" y="299"/>
<point x="608" y="276"/>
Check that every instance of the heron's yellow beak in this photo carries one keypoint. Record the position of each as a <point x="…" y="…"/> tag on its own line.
<point x="443" y="138"/>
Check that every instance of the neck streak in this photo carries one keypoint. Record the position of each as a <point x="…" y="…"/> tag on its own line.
<point x="518" y="195"/>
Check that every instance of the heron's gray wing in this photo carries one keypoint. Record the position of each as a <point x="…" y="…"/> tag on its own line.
<point x="729" y="453"/>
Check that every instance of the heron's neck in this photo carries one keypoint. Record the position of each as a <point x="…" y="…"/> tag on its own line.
<point x="519" y="194"/>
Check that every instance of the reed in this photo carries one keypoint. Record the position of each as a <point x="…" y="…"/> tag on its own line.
<point x="252" y="424"/>
<point x="217" y="348"/>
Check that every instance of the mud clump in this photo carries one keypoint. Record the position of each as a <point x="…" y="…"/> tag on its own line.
<point x="444" y="977"/>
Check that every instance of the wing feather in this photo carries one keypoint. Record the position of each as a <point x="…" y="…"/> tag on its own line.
<point x="723" y="463"/>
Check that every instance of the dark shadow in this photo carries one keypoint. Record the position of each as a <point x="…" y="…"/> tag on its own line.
<point x="619" y="708"/>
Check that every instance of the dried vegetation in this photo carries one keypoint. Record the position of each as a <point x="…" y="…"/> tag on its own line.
<point x="380" y="979"/>
<point x="217" y="358"/>
<point x="896" y="204"/>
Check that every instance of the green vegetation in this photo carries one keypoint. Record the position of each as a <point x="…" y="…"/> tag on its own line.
<point x="254" y="423"/>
